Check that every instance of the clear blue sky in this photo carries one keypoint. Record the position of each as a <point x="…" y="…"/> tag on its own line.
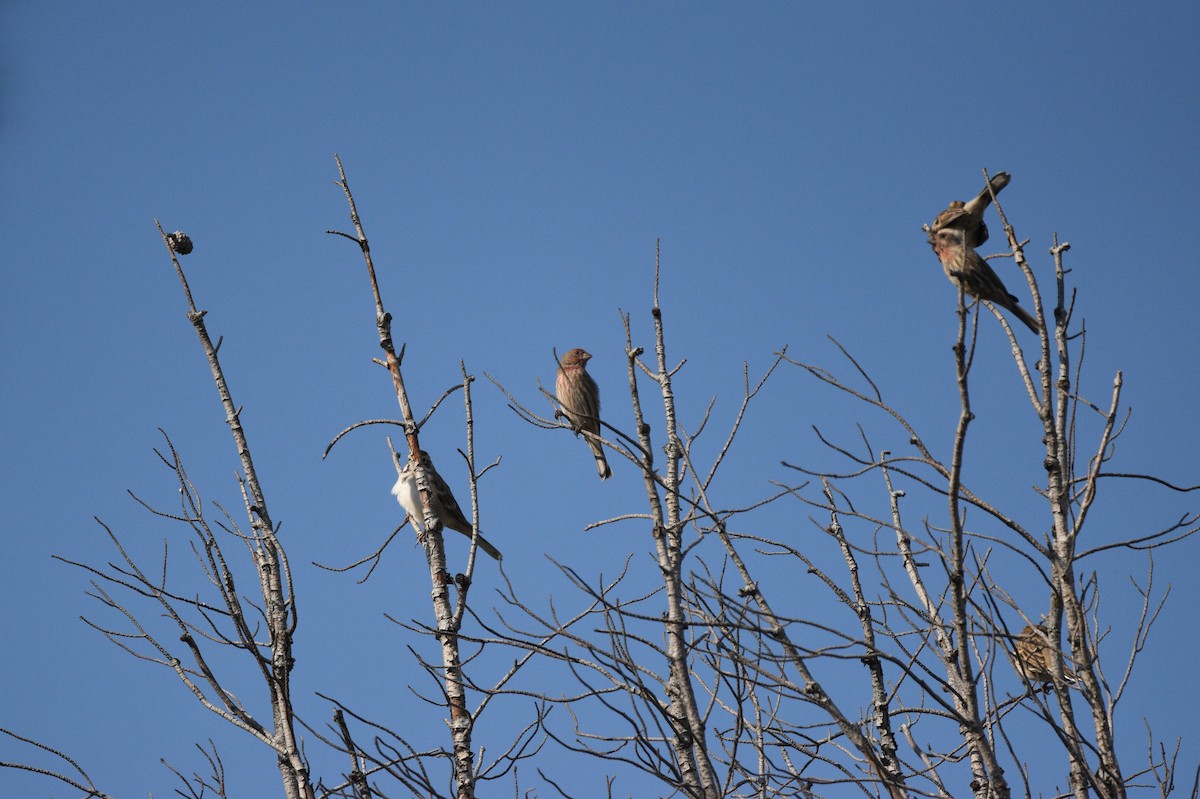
<point x="514" y="164"/>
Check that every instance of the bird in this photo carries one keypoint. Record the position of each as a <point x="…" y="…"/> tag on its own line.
<point x="1033" y="656"/>
<point x="442" y="502"/>
<point x="956" y="233"/>
<point x="968" y="216"/>
<point x="967" y="270"/>
<point x="579" y="396"/>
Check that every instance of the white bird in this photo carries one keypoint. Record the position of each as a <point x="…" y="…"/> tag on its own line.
<point x="444" y="506"/>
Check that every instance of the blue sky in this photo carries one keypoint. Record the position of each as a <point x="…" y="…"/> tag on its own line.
<point x="514" y="165"/>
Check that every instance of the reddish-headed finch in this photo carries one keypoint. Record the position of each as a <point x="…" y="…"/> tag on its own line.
<point x="967" y="270"/>
<point x="579" y="396"/>
<point x="444" y="506"/>
<point x="955" y="234"/>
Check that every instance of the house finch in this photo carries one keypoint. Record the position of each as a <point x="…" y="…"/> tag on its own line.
<point x="580" y="399"/>
<point x="968" y="217"/>
<point x="442" y="502"/>
<point x="1033" y="656"/>
<point x="970" y="272"/>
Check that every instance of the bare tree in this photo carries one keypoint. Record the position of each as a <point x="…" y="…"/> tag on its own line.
<point x="698" y="667"/>
<point x="394" y="753"/>
<point x="738" y="703"/>
<point x="173" y="624"/>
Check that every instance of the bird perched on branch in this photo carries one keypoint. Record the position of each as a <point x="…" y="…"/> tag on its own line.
<point x="579" y="396"/>
<point x="968" y="217"/>
<point x="1033" y="656"/>
<point x="442" y="502"/>
<point x="956" y="233"/>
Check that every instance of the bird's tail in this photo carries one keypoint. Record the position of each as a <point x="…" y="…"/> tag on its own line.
<point x="601" y="461"/>
<point x="1025" y="317"/>
<point x="486" y="546"/>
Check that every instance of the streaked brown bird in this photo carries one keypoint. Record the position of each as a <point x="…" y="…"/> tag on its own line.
<point x="579" y="396"/>
<point x="1033" y="656"/>
<point x="444" y="505"/>
<point x="955" y="234"/>
<point x="968" y="217"/>
<point x="967" y="270"/>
